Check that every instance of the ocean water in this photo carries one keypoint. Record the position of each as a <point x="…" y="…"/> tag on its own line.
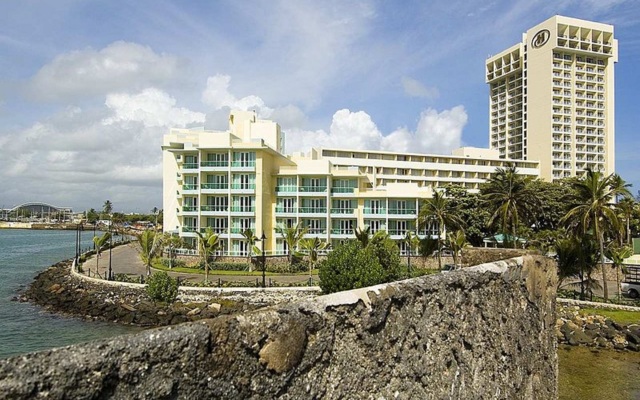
<point x="25" y="327"/>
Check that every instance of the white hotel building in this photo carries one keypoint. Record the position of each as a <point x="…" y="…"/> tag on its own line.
<point x="240" y="179"/>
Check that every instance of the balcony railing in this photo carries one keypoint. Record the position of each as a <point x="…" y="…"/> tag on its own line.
<point x="190" y="166"/>
<point x="243" y="186"/>
<point x="342" y="211"/>
<point x="189" y="208"/>
<point x="290" y="210"/>
<point x="215" y="186"/>
<point x="339" y="231"/>
<point x="237" y="229"/>
<point x="402" y="211"/>
<point x="190" y="186"/>
<point x="216" y="230"/>
<point x="317" y="231"/>
<point x="342" y="190"/>
<point x="214" y="208"/>
<point x="313" y="189"/>
<point x="375" y="211"/>
<point x="218" y="164"/>
<point x="312" y="210"/>
<point x="243" y="164"/>
<point x="189" y="229"/>
<point x="243" y="209"/>
<point x="288" y="189"/>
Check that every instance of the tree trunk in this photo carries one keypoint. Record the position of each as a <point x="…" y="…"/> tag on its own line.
<point x="602" y="267"/>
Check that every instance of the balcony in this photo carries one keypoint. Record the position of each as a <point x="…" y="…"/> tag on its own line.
<point x="286" y="189"/>
<point x="312" y="210"/>
<point x="240" y="230"/>
<point x="342" y="190"/>
<point x="402" y="212"/>
<point x="214" y="186"/>
<point x="189" y="208"/>
<point x="243" y="187"/>
<point x="317" y="231"/>
<point x="374" y="211"/>
<point x="285" y="210"/>
<point x="190" y="166"/>
<point x="342" y="212"/>
<point x="216" y="230"/>
<point x="312" y="189"/>
<point x="341" y="232"/>
<point x="243" y="209"/>
<point x="214" y="208"/>
<point x="190" y="187"/>
<point x="243" y="164"/>
<point x="189" y="229"/>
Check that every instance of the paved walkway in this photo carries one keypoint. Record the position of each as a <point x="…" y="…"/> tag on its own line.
<point x="125" y="259"/>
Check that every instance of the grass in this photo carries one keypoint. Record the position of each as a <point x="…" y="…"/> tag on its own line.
<point x="597" y="374"/>
<point x="622" y="317"/>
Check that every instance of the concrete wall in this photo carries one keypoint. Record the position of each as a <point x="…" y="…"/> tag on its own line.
<point x="483" y="332"/>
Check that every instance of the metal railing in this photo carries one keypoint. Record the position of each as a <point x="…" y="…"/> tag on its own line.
<point x="219" y="164"/>
<point x="215" y="186"/>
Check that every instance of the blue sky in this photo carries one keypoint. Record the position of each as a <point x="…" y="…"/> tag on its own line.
<point x="87" y="89"/>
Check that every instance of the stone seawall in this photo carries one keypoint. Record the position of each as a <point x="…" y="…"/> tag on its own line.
<point x="485" y="332"/>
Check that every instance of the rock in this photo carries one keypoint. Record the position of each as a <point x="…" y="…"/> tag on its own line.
<point x="633" y="346"/>
<point x="127" y="307"/>
<point x="602" y="342"/>
<point x="591" y="326"/>
<point x="632" y="338"/>
<point x="215" y="306"/>
<point x="193" y="312"/>
<point x="54" y="288"/>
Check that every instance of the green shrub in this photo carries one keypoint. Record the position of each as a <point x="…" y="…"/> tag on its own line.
<point x="125" y="278"/>
<point x="229" y="266"/>
<point x="162" y="287"/>
<point x="350" y="266"/>
<point x="175" y="264"/>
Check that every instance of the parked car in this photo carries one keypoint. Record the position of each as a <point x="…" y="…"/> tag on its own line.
<point x="631" y="284"/>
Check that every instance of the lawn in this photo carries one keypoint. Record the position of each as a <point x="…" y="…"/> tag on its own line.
<point x="620" y="316"/>
<point x="586" y="373"/>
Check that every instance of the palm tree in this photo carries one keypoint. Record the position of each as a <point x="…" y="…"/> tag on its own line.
<point x="457" y="241"/>
<point x="617" y="255"/>
<point x="292" y="237"/>
<point x="625" y="208"/>
<point x="100" y="242"/>
<point x="438" y="209"/>
<point x="362" y="235"/>
<point x="107" y="208"/>
<point x="313" y="246"/>
<point x="250" y="238"/>
<point x="593" y="211"/>
<point x="207" y="244"/>
<point x="510" y="198"/>
<point x="150" y="243"/>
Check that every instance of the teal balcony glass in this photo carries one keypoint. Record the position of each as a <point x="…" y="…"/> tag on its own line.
<point x="312" y="210"/>
<point x="340" y="231"/>
<point x="243" y="209"/>
<point x="288" y="189"/>
<point x="243" y="186"/>
<point x="189" y="229"/>
<point x="243" y="164"/>
<point x="218" y="208"/>
<point x="190" y="166"/>
<point x="342" y="211"/>
<point x="237" y="229"/>
<point x="218" y="186"/>
<point x="214" y="229"/>
<point x="342" y="190"/>
<point x="280" y="209"/>
<point x="190" y="186"/>
<point x="313" y="189"/>
<point x="189" y="208"/>
<point x="218" y="164"/>
<point x="374" y="211"/>
<point x="402" y="211"/>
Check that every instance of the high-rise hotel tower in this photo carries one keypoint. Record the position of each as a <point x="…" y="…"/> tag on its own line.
<point x="552" y="97"/>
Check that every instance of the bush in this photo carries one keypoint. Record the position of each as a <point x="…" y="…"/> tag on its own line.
<point x="125" y="278"/>
<point x="350" y="266"/>
<point x="162" y="287"/>
<point x="175" y="264"/>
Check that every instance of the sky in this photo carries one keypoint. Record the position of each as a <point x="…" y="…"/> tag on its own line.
<point x="88" y="88"/>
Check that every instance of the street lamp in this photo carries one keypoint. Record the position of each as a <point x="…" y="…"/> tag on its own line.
<point x="110" y="246"/>
<point x="264" y="260"/>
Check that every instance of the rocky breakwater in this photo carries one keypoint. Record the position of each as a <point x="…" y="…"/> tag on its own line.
<point x="58" y="290"/>
<point x="576" y="329"/>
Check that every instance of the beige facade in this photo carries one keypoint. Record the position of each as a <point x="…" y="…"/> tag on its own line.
<point x="240" y="179"/>
<point x="551" y="97"/>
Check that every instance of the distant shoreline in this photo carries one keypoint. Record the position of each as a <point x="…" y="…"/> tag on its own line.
<point x="39" y="226"/>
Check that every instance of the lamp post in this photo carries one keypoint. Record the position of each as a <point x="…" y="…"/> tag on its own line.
<point x="264" y="260"/>
<point x="110" y="246"/>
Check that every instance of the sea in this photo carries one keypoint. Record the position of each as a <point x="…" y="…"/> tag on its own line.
<point x="25" y="327"/>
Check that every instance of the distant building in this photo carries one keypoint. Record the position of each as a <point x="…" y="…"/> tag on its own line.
<point x="240" y="179"/>
<point x="552" y="97"/>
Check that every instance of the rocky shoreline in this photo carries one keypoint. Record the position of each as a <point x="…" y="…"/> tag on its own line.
<point x="57" y="290"/>
<point x="575" y="329"/>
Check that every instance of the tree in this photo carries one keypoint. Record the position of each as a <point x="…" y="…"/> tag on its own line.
<point x="92" y="216"/>
<point x="350" y="266"/>
<point x="411" y="241"/>
<point x="313" y="247"/>
<point x="592" y="210"/>
<point x="457" y="241"/>
<point x="100" y="242"/>
<point x="427" y="246"/>
<point x="470" y="209"/>
<point x="617" y="254"/>
<point x="150" y="243"/>
<point x="362" y="235"/>
<point x="510" y="199"/>
<point x="251" y="239"/>
<point x="107" y="207"/>
<point x="207" y="244"/>
<point x="292" y="236"/>
<point x="439" y="210"/>
<point x="626" y="207"/>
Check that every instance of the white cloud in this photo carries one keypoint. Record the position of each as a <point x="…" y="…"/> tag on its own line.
<point x="436" y="132"/>
<point x="121" y="66"/>
<point x="217" y="96"/>
<point x="152" y="107"/>
<point x="88" y="155"/>
<point x="415" y="88"/>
